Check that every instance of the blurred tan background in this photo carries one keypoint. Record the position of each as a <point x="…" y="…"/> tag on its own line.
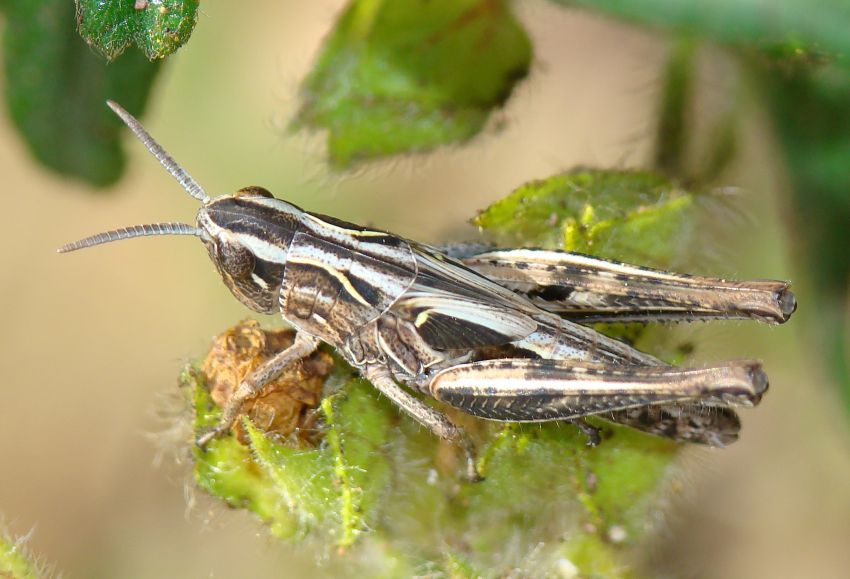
<point x="90" y="342"/>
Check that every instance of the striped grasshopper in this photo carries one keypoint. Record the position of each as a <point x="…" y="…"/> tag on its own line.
<point x="495" y="333"/>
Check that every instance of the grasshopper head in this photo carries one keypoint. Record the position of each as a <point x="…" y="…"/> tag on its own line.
<point x="246" y="234"/>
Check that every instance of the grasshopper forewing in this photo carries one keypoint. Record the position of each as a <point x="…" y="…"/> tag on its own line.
<point x="581" y="287"/>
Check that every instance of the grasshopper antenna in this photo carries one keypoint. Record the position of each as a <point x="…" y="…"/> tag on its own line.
<point x="131" y="232"/>
<point x="189" y="184"/>
<point x="186" y="180"/>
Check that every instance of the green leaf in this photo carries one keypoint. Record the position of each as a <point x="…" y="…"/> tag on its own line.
<point x="398" y="76"/>
<point x="156" y="27"/>
<point x="56" y="90"/>
<point x="634" y="216"/>
<point x="554" y="480"/>
<point x="226" y="470"/>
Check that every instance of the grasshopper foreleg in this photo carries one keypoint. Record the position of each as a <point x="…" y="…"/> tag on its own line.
<point x="428" y="417"/>
<point x="303" y="345"/>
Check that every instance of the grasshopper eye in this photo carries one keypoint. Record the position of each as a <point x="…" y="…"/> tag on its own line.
<point x="253" y="191"/>
<point x="235" y="260"/>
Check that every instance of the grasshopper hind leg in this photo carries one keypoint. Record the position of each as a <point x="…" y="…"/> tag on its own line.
<point x="681" y="403"/>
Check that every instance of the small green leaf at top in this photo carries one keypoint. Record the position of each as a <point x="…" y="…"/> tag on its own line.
<point x="156" y="27"/>
<point x="401" y="76"/>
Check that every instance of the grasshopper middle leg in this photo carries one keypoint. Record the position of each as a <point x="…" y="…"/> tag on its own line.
<point x="432" y="419"/>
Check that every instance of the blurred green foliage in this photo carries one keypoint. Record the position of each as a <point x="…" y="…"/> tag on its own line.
<point x="379" y="476"/>
<point x="675" y="136"/>
<point x="677" y="89"/>
<point x="156" y="27"/>
<point x="811" y="112"/>
<point x="397" y="76"/>
<point x="752" y="23"/>
<point x="798" y="51"/>
<point x="56" y="90"/>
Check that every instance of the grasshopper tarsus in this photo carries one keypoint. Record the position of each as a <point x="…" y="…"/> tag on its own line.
<point x="592" y="433"/>
<point x="473" y="475"/>
<point x="203" y="441"/>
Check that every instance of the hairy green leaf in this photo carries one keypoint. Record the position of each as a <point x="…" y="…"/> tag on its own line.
<point x="634" y="216"/>
<point x="332" y="491"/>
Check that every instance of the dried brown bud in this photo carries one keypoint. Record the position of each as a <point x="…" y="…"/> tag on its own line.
<point x="286" y="404"/>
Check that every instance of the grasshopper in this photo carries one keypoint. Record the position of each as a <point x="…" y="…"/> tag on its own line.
<point x="495" y="333"/>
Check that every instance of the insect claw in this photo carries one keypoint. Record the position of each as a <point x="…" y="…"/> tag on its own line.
<point x="593" y="434"/>
<point x="472" y="473"/>
<point x="203" y="440"/>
